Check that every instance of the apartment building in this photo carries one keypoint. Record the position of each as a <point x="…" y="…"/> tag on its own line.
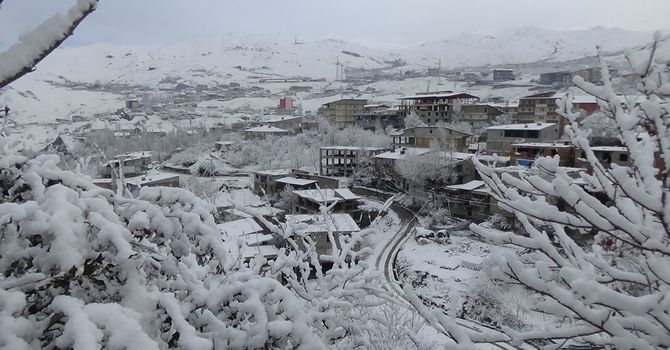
<point x="434" y="107"/>
<point x="478" y="112"/>
<point x="425" y="136"/>
<point x="342" y="160"/>
<point x="500" y="74"/>
<point x="344" y="112"/>
<point x="499" y="139"/>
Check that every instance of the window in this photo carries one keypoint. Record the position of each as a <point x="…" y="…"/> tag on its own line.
<point x="623" y="157"/>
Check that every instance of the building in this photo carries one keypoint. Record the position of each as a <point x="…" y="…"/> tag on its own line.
<point x="291" y="123"/>
<point x="592" y="75"/>
<point x="434" y="107"/>
<point x="295" y="183"/>
<point x="263" y="132"/>
<point x="344" y="112"/>
<point x="557" y="79"/>
<point x="385" y="163"/>
<point x="223" y="145"/>
<point x="499" y="139"/>
<point x="265" y="180"/>
<point x="318" y="227"/>
<point x="425" y="136"/>
<point x="339" y="200"/>
<point x="380" y="117"/>
<point x="472" y="201"/>
<point x="131" y="164"/>
<point x="286" y="103"/>
<point x="607" y="155"/>
<point x="135" y="184"/>
<point x="478" y="113"/>
<point x="540" y="108"/>
<point x="133" y="104"/>
<point x="342" y="160"/>
<point x="532" y="150"/>
<point x="500" y="74"/>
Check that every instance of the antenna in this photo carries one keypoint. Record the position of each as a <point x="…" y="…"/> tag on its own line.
<point x="439" y="72"/>
<point x="340" y="69"/>
<point x="428" y="87"/>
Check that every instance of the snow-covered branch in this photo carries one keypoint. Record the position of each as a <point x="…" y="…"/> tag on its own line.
<point x="32" y="47"/>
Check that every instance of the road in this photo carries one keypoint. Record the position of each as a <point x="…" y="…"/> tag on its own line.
<point x="385" y="261"/>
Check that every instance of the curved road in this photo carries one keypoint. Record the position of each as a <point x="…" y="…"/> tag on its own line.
<point x="385" y="261"/>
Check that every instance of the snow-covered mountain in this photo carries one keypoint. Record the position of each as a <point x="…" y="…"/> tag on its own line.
<point x="235" y="56"/>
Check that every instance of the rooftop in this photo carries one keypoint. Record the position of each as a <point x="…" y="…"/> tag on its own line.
<point x="327" y="195"/>
<point x="450" y="95"/>
<point x="528" y="126"/>
<point x="275" y="118"/>
<point x="274" y="172"/>
<point x="150" y="178"/>
<point x="542" y="145"/>
<point x="318" y="223"/>
<point x="267" y="128"/>
<point x="295" y="182"/>
<point x="354" y="148"/>
<point x="237" y="228"/>
<point x="609" y="149"/>
<point x="402" y="153"/>
<point x="472" y="185"/>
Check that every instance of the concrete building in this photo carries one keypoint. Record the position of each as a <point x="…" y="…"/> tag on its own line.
<point x="540" y="108"/>
<point x="434" y="107"/>
<point x="530" y="151"/>
<point x="500" y="74"/>
<point x="318" y="227"/>
<point x="499" y="139"/>
<point x="607" y="155"/>
<point x="424" y="136"/>
<point x="263" y="132"/>
<point x="472" y="201"/>
<point x="132" y="164"/>
<point x="342" y="160"/>
<point x="379" y="117"/>
<point x="478" y="113"/>
<point x="558" y="79"/>
<point x="292" y="124"/>
<point x="274" y="181"/>
<point x="344" y="112"/>
<point x="265" y="180"/>
<point x="286" y="103"/>
<point x="341" y="200"/>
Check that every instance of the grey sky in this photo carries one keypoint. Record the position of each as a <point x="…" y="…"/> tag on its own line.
<point x="364" y="21"/>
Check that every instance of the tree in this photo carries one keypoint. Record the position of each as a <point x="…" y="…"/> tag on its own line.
<point x="614" y="291"/>
<point x="413" y="120"/>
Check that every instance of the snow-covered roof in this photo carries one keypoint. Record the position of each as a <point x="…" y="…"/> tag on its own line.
<point x="318" y="223"/>
<point x="439" y="95"/>
<point x="237" y="198"/>
<point x="150" y="178"/>
<point x="275" y="119"/>
<point x="237" y="228"/>
<point x="266" y="128"/>
<point x="295" y="182"/>
<point x="401" y="153"/>
<point x="542" y="145"/>
<point x="224" y="143"/>
<point x="484" y="157"/>
<point x="609" y="149"/>
<point x="472" y="185"/>
<point x="262" y="250"/>
<point x="329" y="195"/>
<point x="274" y="172"/>
<point x="353" y="148"/>
<point x="528" y="126"/>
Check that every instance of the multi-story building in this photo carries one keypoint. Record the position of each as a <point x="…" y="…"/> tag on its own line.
<point x="539" y="108"/>
<point x="380" y="116"/>
<point x="500" y="74"/>
<point x="530" y="151"/>
<point x="434" y="107"/>
<point x="499" y="139"/>
<point x="476" y="113"/>
<point x="425" y="136"/>
<point x="343" y="160"/>
<point x="344" y="112"/>
<point x="263" y="132"/>
<point x="562" y="78"/>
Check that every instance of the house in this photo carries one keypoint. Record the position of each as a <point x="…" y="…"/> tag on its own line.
<point x="295" y="183"/>
<point x="309" y="201"/>
<point x="539" y="108"/>
<point x="289" y="123"/>
<point x="500" y="74"/>
<point x="342" y="160"/>
<point x="471" y="201"/>
<point x="530" y="151"/>
<point x="424" y="136"/>
<point x="318" y="227"/>
<point x="263" y="132"/>
<point x="135" y="184"/>
<point x="607" y="155"/>
<point x="131" y="164"/>
<point x="385" y="163"/>
<point x="133" y="104"/>
<point x="245" y="239"/>
<point x="499" y="139"/>
<point x="344" y="112"/>
<point x="223" y="145"/>
<point x="434" y="107"/>
<point x="265" y="180"/>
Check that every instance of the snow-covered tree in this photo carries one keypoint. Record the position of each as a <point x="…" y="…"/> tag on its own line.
<point x="32" y="47"/>
<point x="413" y="120"/>
<point x="615" y="291"/>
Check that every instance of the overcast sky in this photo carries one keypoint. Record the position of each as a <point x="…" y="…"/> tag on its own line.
<point x="363" y="21"/>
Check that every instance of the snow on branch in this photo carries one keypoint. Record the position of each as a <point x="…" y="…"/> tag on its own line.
<point x="34" y="46"/>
